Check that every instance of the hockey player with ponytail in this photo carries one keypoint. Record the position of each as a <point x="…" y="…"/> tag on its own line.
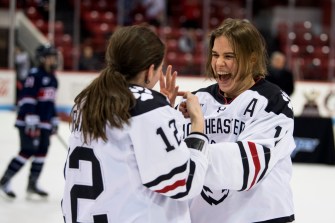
<point x="127" y="160"/>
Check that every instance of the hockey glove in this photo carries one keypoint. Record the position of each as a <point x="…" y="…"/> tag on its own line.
<point x="54" y="124"/>
<point x="31" y="128"/>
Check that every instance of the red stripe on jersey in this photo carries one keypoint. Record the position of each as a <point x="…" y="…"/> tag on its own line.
<point x="255" y="158"/>
<point x="178" y="183"/>
<point x="47" y="93"/>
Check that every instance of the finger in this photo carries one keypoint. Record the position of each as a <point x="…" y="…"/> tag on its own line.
<point x="186" y="94"/>
<point x="185" y="113"/>
<point x="168" y="76"/>
<point x="174" y="95"/>
<point x="182" y="106"/>
<point x="175" y="92"/>
<point x="161" y="80"/>
<point x="173" y="79"/>
<point x="181" y="93"/>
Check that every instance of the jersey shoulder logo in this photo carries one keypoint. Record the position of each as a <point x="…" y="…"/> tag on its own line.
<point x="141" y="93"/>
<point x="45" y="80"/>
<point x="146" y="100"/>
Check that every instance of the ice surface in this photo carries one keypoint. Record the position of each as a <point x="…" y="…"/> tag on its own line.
<point x="313" y="185"/>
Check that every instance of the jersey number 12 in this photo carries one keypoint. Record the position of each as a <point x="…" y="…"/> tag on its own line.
<point x="172" y="124"/>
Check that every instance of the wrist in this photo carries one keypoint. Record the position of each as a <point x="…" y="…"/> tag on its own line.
<point x="197" y="125"/>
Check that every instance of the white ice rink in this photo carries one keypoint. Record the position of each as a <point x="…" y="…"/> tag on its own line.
<point x="313" y="185"/>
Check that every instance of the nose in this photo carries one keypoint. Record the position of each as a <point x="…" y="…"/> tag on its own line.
<point x="221" y="61"/>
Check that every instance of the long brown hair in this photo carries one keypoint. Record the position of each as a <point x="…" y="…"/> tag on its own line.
<point x="248" y="45"/>
<point x="107" y="100"/>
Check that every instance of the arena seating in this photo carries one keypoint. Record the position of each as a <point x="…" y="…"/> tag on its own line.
<point x="307" y="44"/>
<point x="309" y="49"/>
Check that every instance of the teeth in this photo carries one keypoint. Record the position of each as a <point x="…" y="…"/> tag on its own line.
<point x="222" y="73"/>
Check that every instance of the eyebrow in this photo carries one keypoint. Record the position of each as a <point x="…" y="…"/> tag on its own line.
<point x="227" y="53"/>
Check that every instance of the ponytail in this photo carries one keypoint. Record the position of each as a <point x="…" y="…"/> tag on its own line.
<point x="106" y="100"/>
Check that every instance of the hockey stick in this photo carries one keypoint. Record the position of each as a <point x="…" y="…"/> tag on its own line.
<point x="62" y="141"/>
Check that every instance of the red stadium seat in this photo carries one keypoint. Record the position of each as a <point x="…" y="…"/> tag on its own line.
<point x="108" y="17"/>
<point x="33" y="14"/>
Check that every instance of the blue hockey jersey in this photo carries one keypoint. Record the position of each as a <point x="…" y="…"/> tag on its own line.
<point x="38" y="98"/>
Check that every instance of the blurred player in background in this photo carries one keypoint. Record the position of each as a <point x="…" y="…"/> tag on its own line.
<point x="127" y="161"/>
<point x="249" y="122"/>
<point x="36" y="121"/>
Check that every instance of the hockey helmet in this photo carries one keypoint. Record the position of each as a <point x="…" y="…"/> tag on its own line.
<point x="45" y="50"/>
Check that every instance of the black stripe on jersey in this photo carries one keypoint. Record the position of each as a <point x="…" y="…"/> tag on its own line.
<point x="286" y="219"/>
<point x="168" y="176"/>
<point x="245" y="164"/>
<point x="275" y="97"/>
<point x="147" y="101"/>
<point x="267" y="156"/>
<point x="188" y="183"/>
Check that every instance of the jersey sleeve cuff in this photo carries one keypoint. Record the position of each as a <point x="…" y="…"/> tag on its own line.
<point x="197" y="141"/>
<point x="198" y="134"/>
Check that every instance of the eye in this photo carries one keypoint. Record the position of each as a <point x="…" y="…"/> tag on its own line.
<point x="229" y="56"/>
<point x="215" y="55"/>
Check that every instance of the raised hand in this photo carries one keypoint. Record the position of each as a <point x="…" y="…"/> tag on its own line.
<point x="168" y="85"/>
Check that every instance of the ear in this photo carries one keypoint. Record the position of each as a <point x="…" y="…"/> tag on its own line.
<point x="149" y="74"/>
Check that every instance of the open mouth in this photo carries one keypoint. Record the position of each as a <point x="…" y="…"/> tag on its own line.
<point x="224" y="76"/>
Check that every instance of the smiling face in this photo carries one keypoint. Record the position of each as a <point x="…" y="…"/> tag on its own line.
<point x="226" y="70"/>
<point x="236" y="56"/>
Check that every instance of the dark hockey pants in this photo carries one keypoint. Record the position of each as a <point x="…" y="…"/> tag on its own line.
<point x="30" y="147"/>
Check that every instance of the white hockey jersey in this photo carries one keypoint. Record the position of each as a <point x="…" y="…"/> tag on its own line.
<point x="144" y="173"/>
<point x="248" y="178"/>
